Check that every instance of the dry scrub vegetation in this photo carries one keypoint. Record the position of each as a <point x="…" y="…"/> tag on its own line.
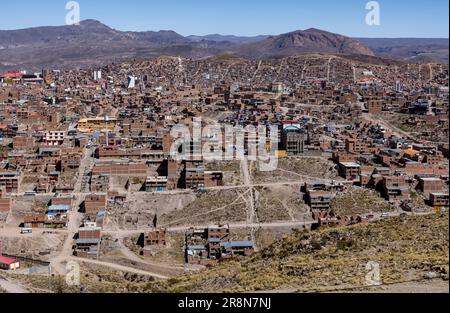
<point x="209" y="207"/>
<point x="354" y="201"/>
<point x="282" y="203"/>
<point x="296" y="169"/>
<point x="413" y="249"/>
<point x="409" y="249"/>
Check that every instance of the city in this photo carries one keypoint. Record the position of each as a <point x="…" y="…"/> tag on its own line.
<point x="301" y="172"/>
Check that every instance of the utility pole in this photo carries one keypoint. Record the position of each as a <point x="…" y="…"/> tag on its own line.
<point x="106" y="128"/>
<point x="49" y="277"/>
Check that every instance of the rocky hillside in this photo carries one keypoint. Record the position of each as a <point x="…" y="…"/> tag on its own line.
<point x="410" y="249"/>
<point x="94" y="44"/>
<point x="91" y="43"/>
<point x="308" y="41"/>
<point x="410" y="49"/>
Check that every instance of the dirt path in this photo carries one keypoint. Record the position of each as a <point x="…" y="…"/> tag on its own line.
<point x="162" y="269"/>
<point x="127" y="233"/>
<point x="74" y="216"/>
<point x="251" y="207"/>
<point x="119" y="267"/>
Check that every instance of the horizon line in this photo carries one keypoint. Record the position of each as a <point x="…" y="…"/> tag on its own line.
<point x="219" y="34"/>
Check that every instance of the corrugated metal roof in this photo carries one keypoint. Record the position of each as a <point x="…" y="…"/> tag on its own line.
<point x="5" y="260"/>
<point x="196" y="247"/>
<point x="60" y="207"/>
<point x="238" y="244"/>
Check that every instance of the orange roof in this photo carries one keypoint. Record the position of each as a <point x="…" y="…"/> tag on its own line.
<point x="410" y="152"/>
<point x="12" y="75"/>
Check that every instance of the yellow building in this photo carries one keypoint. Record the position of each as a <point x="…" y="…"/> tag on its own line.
<point x="97" y="124"/>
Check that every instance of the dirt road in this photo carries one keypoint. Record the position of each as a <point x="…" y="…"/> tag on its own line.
<point x="118" y="267"/>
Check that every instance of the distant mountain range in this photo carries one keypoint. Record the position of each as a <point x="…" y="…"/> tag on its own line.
<point x="92" y="43"/>
<point x="229" y="38"/>
<point x="410" y="49"/>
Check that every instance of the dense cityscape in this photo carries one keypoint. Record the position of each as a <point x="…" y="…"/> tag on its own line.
<point x="225" y="173"/>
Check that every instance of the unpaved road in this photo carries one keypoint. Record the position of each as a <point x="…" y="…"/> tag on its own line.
<point x="126" y="233"/>
<point x="119" y="267"/>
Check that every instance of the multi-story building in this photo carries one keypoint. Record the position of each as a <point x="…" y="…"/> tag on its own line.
<point x="54" y="138"/>
<point x="156" y="183"/>
<point x="354" y="145"/>
<point x="88" y="242"/>
<point x="430" y="185"/>
<point x="155" y="237"/>
<point x="97" y="124"/>
<point x="395" y="188"/>
<point x="10" y="180"/>
<point x="439" y="200"/>
<point x="205" y="246"/>
<point x="293" y="140"/>
<point x="5" y="202"/>
<point x="95" y="203"/>
<point x="194" y="174"/>
<point x="350" y="170"/>
<point x="319" y="200"/>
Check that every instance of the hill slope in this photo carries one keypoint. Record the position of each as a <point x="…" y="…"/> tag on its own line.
<point x="90" y="44"/>
<point x="308" y="41"/>
<point x="93" y="44"/>
<point x="334" y="259"/>
<point x="410" y="49"/>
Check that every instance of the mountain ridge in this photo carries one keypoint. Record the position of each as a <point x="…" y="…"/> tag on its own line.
<point x="305" y="41"/>
<point x="93" y="43"/>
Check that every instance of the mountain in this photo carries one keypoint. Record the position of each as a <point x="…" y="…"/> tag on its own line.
<point x="411" y="49"/>
<point x="90" y="43"/>
<point x="229" y="38"/>
<point x="94" y="44"/>
<point x="307" y="41"/>
<point x="88" y="30"/>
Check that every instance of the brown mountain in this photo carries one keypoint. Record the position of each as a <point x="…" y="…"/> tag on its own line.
<point x="88" y="30"/>
<point x="90" y="43"/>
<point x="307" y="41"/>
<point x="93" y="44"/>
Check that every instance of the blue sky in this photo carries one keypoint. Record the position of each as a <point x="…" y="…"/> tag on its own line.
<point x="399" y="18"/>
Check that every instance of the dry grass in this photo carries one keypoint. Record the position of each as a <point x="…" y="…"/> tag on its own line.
<point x="210" y="207"/>
<point x="355" y="201"/>
<point x="93" y="279"/>
<point x="296" y="169"/>
<point x="333" y="258"/>
<point x="328" y="260"/>
<point x="279" y="204"/>
<point x="172" y="253"/>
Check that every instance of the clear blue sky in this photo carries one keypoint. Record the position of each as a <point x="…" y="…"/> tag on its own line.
<point x="399" y="18"/>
